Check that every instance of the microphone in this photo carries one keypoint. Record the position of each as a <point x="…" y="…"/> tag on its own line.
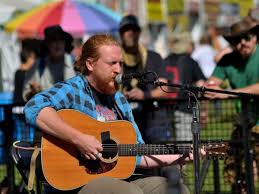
<point x="119" y="79"/>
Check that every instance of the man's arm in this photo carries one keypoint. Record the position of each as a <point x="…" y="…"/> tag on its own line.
<point x="214" y="83"/>
<point x="167" y="160"/>
<point x="159" y="160"/>
<point x="50" y="122"/>
<point x="252" y="89"/>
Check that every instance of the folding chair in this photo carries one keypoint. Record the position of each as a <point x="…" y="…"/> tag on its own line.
<point x="22" y="160"/>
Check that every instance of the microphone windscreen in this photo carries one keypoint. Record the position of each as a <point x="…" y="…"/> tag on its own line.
<point x="118" y="79"/>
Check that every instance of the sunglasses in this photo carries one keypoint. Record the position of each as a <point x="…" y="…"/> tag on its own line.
<point x="247" y="37"/>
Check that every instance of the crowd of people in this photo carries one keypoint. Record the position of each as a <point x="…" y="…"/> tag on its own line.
<point x="52" y="79"/>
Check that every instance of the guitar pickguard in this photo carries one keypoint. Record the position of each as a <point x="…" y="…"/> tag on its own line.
<point x="97" y="166"/>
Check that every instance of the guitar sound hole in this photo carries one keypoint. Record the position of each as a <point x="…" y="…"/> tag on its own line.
<point x="110" y="149"/>
<point x="109" y="152"/>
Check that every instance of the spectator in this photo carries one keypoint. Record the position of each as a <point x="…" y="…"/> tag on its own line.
<point x="151" y="118"/>
<point x="241" y="68"/>
<point x="55" y="63"/>
<point x="154" y="123"/>
<point x="28" y="55"/>
<point x="182" y="69"/>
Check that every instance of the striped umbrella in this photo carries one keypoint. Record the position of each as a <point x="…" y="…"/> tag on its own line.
<point x="77" y="18"/>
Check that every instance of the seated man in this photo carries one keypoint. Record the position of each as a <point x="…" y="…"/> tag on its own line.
<point x="94" y="93"/>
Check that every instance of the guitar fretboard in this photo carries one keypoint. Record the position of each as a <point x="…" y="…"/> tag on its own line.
<point x="145" y="149"/>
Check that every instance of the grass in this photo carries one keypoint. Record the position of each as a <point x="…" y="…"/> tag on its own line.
<point x="17" y="175"/>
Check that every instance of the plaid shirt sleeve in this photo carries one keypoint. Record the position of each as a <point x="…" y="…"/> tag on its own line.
<point x="59" y="97"/>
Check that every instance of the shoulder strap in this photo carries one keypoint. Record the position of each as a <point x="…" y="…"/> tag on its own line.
<point x="118" y="111"/>
<point x="33" y="167"/>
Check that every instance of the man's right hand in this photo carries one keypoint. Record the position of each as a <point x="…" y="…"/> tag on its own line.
<point x="89" y="147"/>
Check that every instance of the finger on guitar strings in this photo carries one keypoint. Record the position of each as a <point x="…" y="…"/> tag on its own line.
<point x="92" y="156"/>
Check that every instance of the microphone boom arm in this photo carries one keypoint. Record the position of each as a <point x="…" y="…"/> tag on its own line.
<point x="201" y="89"/>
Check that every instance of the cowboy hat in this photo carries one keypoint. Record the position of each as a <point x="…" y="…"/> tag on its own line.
<point x="54" y="33"/>
<point x="241" y="28"/>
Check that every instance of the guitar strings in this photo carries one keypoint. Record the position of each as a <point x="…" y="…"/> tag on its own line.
<point x="143" y="147"/>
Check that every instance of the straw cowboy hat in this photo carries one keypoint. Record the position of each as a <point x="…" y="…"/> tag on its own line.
<point x="241" y="28"/>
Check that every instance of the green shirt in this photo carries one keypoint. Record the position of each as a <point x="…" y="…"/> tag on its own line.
<point x="239" y="72"/>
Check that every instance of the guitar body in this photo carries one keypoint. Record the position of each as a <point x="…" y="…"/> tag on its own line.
<point x="62" y="165"/>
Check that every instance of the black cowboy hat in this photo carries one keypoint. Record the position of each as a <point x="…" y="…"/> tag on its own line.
<point x="55" y="32"/>
<point x="240" y="28"/>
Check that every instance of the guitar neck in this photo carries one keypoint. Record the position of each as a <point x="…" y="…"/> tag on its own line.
<point x="150" y="149"/>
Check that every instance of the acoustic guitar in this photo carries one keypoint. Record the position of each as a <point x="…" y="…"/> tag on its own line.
<point x="65" y="169"/>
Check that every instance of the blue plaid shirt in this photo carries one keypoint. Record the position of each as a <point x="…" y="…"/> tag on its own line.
<point x="75" y="93"/>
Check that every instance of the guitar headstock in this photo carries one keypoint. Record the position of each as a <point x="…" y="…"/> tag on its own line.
<point x="216" y="150"/>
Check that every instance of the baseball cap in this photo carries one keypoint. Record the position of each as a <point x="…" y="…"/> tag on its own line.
<point x="127" y="21"/>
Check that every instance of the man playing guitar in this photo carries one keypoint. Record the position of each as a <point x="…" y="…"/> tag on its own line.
<point x="93" y="92"/>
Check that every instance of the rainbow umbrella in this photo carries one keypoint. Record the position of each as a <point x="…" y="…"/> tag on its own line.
<point x="77" y="18"/>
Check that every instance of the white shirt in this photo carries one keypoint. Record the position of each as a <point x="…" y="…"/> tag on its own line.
<point x="204" y="56"/>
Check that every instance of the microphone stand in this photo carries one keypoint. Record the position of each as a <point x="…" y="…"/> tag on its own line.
<point x="195" y="126"/>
